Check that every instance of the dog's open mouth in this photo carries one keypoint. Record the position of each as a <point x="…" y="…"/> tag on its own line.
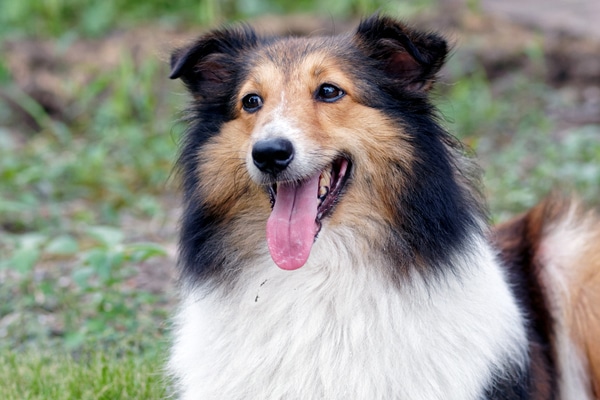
<point x="298" y="209"/>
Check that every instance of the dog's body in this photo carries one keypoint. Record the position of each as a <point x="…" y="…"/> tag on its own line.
<point x="389" y="284"/>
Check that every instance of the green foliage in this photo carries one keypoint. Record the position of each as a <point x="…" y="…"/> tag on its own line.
<point x="66" y="262"/>
<point x="523" y="155"/>
<point x="59" y="17"/>
<point x="537" y="163"/>
<point x="116" y="143"/>
<point x="96" y="374"/>
<point x="88" y="297"/>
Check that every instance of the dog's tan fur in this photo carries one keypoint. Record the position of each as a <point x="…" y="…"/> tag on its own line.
<point x="573" y="282"/>
<point x="559" y="242"/>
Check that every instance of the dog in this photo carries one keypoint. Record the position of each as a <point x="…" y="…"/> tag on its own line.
<point x="335" y="244"/>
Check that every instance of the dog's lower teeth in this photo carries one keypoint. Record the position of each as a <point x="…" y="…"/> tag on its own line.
<point x="323" y="192"/>
<point x="325" y="178"/>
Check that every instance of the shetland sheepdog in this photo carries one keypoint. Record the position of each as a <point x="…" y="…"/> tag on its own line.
<point x="334" y="242"/>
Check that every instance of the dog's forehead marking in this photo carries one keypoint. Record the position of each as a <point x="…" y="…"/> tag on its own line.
<point x="288" y="80"/>
<point x="288" y="53"/>
<point x="295" y="59"/>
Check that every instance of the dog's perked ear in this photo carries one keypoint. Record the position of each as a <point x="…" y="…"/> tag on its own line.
<point x="210" y="63"/>
<point x="409" y="57"/>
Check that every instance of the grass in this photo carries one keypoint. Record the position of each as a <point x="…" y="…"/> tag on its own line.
<point x="96" y="375"/>
<point x="525" y="157"/>
<point x="80" y="17"/>
<point x="84" y="187"/>
<point x="66" y="191"/>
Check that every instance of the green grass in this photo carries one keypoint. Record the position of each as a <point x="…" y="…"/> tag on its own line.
<point x="525" y="157"/>
<point x="66" y="191"/>
<point x="98" y="375"/>
<point x="60" y="18"/>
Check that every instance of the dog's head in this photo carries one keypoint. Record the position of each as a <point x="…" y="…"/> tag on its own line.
<point x="304" y="134"/>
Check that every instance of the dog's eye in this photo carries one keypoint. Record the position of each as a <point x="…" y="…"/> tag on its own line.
<point x="252" y="102"/>
<point x="329" y="93"/>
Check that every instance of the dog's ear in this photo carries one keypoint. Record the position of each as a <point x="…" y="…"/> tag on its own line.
<point x="410" y="57"/>
<point x="209" y="62"/>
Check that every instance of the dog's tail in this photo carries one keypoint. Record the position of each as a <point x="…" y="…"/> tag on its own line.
<point x="556" y="248"/>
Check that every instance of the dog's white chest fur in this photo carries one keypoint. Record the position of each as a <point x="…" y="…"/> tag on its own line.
<point x="335" y="329"/>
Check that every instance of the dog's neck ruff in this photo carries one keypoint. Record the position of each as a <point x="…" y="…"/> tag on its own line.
<point x="337" y="329"/>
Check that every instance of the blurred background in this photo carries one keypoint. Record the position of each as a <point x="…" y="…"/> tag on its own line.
<point x="88" y="136"/>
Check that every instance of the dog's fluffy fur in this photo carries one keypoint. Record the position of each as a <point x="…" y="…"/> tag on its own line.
<point x="405" y="293"/>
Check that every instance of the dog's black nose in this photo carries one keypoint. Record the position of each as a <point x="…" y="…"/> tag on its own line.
<point x="272" y="155"/>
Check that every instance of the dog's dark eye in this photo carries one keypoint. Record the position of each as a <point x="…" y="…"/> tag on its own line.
<point x="329" y="93"/>
<point x="252" y="102"/>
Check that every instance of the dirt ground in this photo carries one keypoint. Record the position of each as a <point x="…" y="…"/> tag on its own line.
<point x="498" y="37"/>
<point x="578" y="18"/>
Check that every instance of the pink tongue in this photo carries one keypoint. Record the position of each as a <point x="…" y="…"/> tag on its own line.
<point x="292" y="226"/>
